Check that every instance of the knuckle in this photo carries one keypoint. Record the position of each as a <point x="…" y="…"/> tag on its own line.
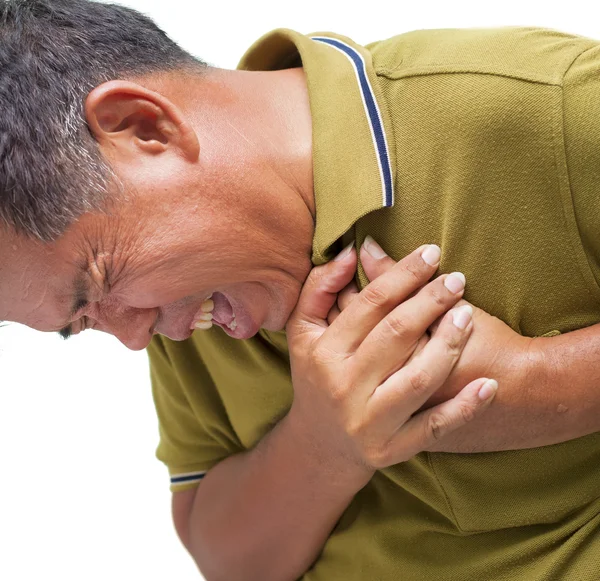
<point x="414" y="271"/>
<point x="377" y="455"/>
<point x="467" y="412"/>
<point x="436" y="427"/>
<point x="338" y="395"/>
<point x="355" y="429"/>
<point x="374" y="296"/>
<point x="397" y="326"/>
<point x="438" y="297"/>
<point x="323" y="356"/>
<point x="339" y="392"/>
<point x="316" y="277"/>
<point x="419" y="381"/>
<point x="453" y="344"/>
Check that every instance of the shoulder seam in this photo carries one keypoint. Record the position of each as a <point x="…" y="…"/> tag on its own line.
<point x="394" y="74"/>
<point x="582" y="53"/>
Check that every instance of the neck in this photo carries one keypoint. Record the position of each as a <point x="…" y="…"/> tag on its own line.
<point x="255" y="164"/>
<point x="267" y="116"/>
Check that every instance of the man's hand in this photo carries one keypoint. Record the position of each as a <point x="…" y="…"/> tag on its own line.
<point x="359" y="381"/>
<point x="493" y="350"/>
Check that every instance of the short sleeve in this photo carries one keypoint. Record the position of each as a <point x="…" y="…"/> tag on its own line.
<point x="581" y="102"/>
<point x="194" y="430"/>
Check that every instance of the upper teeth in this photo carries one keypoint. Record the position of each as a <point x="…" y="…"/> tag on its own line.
<point x="204" y="322"/>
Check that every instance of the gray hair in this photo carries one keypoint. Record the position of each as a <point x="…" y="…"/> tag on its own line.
<point x="52" y="54"/>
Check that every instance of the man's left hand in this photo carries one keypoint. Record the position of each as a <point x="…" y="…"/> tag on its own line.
<point x="494" y="350"/>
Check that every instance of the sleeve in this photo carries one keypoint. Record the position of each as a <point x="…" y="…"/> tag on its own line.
<point x="194" y="430"/>
<point x="581" y="102"/>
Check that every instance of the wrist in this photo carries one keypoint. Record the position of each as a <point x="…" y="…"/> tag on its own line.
<point x="338" y="469"/>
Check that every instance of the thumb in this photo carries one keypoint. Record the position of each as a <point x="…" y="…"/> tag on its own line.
<point x="319" y="293"/>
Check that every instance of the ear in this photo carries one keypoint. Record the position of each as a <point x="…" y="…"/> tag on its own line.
<point x="130" y="118"/>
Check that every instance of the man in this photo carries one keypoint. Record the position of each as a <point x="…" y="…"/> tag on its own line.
<point x="137" y="184"/>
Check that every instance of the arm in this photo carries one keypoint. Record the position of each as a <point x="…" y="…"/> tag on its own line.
<point x="266" y="514"/>
<point x="550" y="392"/>
<point x="550" y="385"/>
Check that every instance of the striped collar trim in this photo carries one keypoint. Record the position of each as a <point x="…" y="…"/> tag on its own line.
<point x="353" y="143"/>
<point x="373" y="115"/>
<point x="187" y="478"/>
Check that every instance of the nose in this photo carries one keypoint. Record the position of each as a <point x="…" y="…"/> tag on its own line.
<point x="132" y="326"/>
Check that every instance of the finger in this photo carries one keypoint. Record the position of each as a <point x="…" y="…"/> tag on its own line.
<point x="393" y="340"/>
<point x="333" y="314"/>
<point x="375" y="301"/>
<point x="404" y="392"/>
<point x="427" y="428"/>
<point x="347" y="295"/>
<point x="374" y="259"/>
<point x="320" y="291"/>
<point x="420" y="346"/>
<point x="433" y="327"/>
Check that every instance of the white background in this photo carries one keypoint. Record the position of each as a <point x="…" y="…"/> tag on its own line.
<point x="81" y="495"/>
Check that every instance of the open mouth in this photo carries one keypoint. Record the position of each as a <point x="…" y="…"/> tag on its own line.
<point x="223" y="313"/>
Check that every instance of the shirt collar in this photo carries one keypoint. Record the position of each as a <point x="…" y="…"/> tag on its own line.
<point x="353" y="153"/>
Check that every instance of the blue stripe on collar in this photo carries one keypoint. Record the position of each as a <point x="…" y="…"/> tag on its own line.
<point x="187" y="478"/>
<point x="373" y="114"/>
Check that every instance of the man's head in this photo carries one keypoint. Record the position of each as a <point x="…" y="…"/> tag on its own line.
<point x="135" y="181"/>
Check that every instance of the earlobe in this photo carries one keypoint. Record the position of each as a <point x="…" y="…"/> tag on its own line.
<point x="128" y="117"/>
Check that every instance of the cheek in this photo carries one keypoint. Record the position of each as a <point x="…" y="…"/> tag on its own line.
<point x="149" y="291"/>
<point x="153" y="294"/>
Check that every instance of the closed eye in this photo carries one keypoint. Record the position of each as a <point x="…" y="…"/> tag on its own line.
<point x="66" y="332"/>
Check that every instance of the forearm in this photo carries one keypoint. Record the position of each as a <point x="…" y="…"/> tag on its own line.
<point x="266" y="514"/>
<point x="550" y="395"/>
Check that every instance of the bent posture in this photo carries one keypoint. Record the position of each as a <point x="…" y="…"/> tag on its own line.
<point x="145" y="194"/>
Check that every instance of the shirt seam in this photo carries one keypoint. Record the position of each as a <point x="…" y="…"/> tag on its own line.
<point x="443" y="491"/>
<point x="581" y="54"/>
<point x="569" y="213"/>
<point x="434" y="70"/>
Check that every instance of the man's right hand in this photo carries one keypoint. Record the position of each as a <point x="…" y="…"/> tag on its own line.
<point x="359" y="382"/>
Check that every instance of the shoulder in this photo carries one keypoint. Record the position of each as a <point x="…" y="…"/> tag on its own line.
<point x="532" y="54"/>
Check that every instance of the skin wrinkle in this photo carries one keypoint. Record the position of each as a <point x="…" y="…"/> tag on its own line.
<point x="187" y="228"/>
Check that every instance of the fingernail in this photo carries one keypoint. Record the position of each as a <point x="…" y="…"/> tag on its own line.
<point x="345" y="252"/>
<point x="455" y="282"/>
<point x="373" y="248"/>
<point x="431" y="255"/>
<point x="488" y="389"/>
<point x="461" y="316"/>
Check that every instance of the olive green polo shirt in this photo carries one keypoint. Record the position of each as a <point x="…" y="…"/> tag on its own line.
<point x="486" y="143"/>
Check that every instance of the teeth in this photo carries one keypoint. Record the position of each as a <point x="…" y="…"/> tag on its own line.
<point x="233" y="325"/>
<point x="206" y="317"/>
<point x="207" y="306"/>
<point x="204" y="325"/>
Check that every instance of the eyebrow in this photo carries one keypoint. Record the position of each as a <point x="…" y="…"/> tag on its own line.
<point x="79" y="290"/>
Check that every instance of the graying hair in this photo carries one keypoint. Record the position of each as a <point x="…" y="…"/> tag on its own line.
<point x="52" y="54"/>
